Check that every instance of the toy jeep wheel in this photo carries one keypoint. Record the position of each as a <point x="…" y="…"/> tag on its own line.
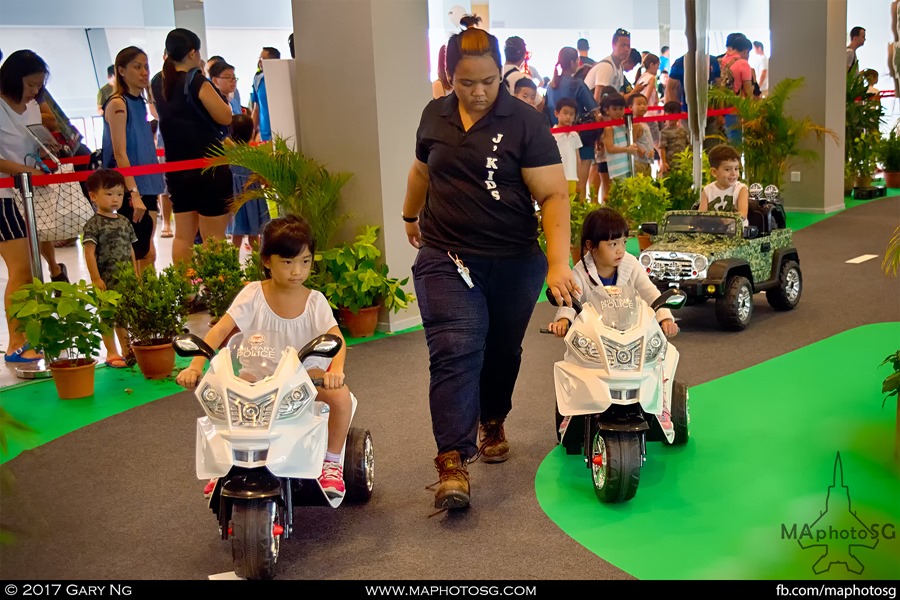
<point x="735" y="307"/>
<point x="790" y="285"/>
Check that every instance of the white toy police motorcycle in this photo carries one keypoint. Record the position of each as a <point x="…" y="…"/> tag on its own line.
<point x="264" y="437"/>
<point x="616" y="378"/>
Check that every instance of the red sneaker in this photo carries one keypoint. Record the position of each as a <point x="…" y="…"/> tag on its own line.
<point x="210" y="486"/>
<point x="332" y="479"/>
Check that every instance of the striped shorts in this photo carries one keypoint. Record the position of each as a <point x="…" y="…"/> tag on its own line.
<point x="12" y="225"/>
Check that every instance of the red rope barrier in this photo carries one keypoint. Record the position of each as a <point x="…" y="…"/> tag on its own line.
<point x="181" y="165"/>
<point x="674" y="117"/>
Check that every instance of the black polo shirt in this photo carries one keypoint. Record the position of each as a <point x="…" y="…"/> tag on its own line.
<point x="477" y="201"/>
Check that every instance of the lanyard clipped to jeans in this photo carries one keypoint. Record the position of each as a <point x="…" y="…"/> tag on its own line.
<point x="462" y="269"/>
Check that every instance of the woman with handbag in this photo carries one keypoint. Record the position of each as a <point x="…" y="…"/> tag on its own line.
<point x="565" y="85"/>
<point x="193" y="119"/>
<point x="128" y="142"/>
<point x="22" y="79"/>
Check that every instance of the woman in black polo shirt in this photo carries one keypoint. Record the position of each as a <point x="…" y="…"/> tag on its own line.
<point x="481" y="156"/>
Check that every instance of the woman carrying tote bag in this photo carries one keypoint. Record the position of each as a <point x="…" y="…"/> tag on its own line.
<point x="22" y="79"/>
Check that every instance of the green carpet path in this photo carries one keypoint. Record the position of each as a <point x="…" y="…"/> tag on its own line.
<point x="762" y="453"/>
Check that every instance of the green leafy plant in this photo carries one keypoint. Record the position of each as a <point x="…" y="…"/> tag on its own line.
<point x="639" y="199"/>
<point x="155" y="305"/>
<point x="216" y="268"/>
<point x="888" y="152"/>
<point x="355" y="277"/>
<point x="64" y="318"/>
<point x="679" y="181"/>
<point x="864" y="153"/>
<point x="891" y="384"/>
<point x="771" y="137"/>
<point x="295" y="183"/>
<point x="578" y="210"/>
<point x="862" y="114"/>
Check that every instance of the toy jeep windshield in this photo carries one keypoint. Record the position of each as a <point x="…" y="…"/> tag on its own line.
<point x="712" y="255"/>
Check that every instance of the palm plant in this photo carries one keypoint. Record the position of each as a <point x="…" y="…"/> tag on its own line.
<point x="771" y="137"/>
<point x="296" y="184"/>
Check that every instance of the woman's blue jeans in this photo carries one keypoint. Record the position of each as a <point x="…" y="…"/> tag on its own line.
<point x="474" y="337"/>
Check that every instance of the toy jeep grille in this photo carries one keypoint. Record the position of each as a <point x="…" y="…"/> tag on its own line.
<point x="665" y="268"/>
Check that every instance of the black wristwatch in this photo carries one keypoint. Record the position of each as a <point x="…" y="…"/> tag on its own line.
<point x="409" y="219"/>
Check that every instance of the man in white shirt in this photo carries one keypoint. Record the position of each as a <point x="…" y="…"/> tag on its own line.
<point x="857" y="39"/>
<point x="759" y="62"/>
<point x="608" y="71"/>
<point x="516" y="66"/>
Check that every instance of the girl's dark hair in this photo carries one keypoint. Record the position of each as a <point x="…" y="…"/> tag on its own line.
<point x="125" y="56"/>
<point x="242" y="128"/>
<point x="649" y="59"/>
<point x="471" y="42"/>
<point x="565" y="57"/>
<point x="287" y="237"/>
<point x="179" y="44"/>
<point x="609" y="100"/>
<point x="18" y="65"/>
<point x="601" y="225"/>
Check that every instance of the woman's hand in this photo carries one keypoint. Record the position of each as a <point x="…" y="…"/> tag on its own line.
<point x="189" y="377"/>
<point x="669" y="327"/>
<point x="414" y="234"/>
<point x="559" y="328"/>
<point x="139" y="207"/>
<point x="562" y="284"/>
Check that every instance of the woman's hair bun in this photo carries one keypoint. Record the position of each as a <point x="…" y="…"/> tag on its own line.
<point x="469" y="21"/>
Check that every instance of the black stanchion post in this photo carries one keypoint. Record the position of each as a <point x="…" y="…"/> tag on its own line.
<point x="35" y="370"/>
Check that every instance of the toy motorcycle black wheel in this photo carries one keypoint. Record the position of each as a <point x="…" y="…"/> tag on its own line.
<point x="574" y="433"/>
<point x="254" y="545"/>
<point x="359" y="465"/>
<point x="735" y="308"/>
<point x="618" y="473"/>
<point x="790" y="285"/>
<point x="681" y="416"/>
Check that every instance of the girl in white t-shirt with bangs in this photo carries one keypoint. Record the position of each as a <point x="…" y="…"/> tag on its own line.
<point x="283" y="304"/>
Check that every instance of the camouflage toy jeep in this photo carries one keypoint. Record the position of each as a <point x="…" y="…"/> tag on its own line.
<point x="712" y="255"/>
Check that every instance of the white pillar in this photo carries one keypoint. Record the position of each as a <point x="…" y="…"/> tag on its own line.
<point x="189" y="15"/>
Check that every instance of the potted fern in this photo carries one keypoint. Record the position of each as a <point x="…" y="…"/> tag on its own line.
<point x="771" y="137"/>
<point x="154" y="309"/>
<point x="293" y="182"/>
<point x="357" y="284"/>
<point x="65" y="321"/>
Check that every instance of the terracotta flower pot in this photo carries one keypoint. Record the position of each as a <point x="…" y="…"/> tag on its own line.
<point x="862" y="181"/>
<point x="74" y="378"/>
<point x="892" y="179"/>
<point x="362" y="324"/>
<point x="155" y="361"/>
<point x="644" y="241"/>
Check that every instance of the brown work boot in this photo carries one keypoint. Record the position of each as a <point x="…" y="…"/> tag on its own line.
<point x="453" y="490"/>
<point x="494" y="448"/>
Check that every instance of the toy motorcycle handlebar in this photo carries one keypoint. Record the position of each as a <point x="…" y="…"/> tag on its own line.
<point x="552" y="300"/>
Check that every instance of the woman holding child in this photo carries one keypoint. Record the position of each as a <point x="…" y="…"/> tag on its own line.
<point x="481" y="156"/>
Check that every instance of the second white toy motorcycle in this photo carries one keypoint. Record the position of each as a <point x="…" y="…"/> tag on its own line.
<point x="613" y="384"/>
<point x="264" y="437"/>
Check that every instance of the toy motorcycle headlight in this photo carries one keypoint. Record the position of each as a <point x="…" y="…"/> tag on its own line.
<point x="212" y="401"/>
<point x="771" y="192"/>
<point x="293" y="401"/>
<point x="756" y="189"/>
<point x="646" y="260"/>
<point x="586" y="347"/>
<point x="654" y="347"/>
<point x="623" y="358"/>
<point x="252" y="413"/>
<point x="700" y="263"/>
